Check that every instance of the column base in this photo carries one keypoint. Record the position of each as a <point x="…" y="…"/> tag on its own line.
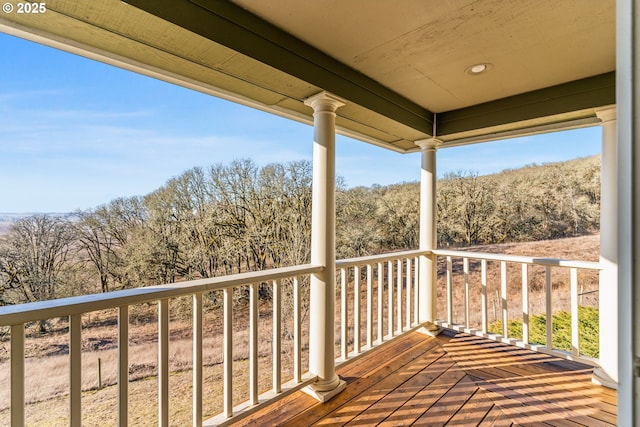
<point x="325" y="395"/>
<point x="600" y="377"/>
<point x="430" y="329"/>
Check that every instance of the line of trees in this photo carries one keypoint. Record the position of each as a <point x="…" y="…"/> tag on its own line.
<point x="239" y="217"/>
<point x="537" y="202"/>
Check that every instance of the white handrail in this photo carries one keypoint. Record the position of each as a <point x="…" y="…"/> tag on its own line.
<point x="553" y="262"/>
<point x="391" y="256"/>
<point x="42" y="310"/>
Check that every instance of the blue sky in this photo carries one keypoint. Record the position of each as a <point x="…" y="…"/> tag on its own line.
<point x="75" y="133"/>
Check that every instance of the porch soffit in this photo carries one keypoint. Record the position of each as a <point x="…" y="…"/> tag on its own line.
<point x="402" y="65"/>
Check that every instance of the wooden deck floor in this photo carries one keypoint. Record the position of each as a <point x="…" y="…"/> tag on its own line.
<point x="460" y="380"/>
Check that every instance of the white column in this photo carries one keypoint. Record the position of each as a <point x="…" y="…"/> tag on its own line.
<point x="428" y="235"/>
<point x="607" y="374"/>
<point x="323" y="230"/>
<point x="628" y="124"/>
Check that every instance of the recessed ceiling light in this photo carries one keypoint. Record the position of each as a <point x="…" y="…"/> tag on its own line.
<point x="478" y="69"/>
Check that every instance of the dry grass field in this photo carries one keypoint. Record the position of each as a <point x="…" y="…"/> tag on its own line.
<point x="47" y="356"/>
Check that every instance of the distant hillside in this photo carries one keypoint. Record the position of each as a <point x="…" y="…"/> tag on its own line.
<point x="536" y="202"/>
<point x="8" y="218"/>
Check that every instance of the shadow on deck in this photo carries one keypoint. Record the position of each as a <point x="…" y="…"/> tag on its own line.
<point x="453" y="380"/>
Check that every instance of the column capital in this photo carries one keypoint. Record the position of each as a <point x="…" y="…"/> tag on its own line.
<point x="606" y="114"/>
<point x="429" y="143"/>
<point x="324" y="101"/>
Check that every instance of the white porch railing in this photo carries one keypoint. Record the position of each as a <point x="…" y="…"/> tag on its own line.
<point x="386" y="286"/>
<point x="18" y="315"/>
<point x="379" y="300"/>
<point x="549" y="264"/>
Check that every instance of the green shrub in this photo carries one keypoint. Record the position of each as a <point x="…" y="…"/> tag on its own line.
<point x="588" y="328"/>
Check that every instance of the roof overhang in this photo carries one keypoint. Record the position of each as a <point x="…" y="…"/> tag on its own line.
<point x="401" y="66"/>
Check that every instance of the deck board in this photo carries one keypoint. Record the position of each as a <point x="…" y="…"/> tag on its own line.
<point x="458" y="380"/>
<point x="366" y="376"/>
<point x="495" y="417"/>
<point x="477" y="409"/>
<point x="375" y="400"/>
<point x="560" y="391"/>
<point x="409" y="399"/>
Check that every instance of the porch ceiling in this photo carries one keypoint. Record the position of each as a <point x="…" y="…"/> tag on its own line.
<point x="401" y="65"/>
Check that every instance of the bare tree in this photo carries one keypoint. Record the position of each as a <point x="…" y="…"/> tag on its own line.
<point x="34" y="258"/>
<point x="97" y="238"/>
<point x="466" y="205"/>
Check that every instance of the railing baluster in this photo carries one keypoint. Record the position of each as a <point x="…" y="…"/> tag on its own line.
<point x="380" y="320"/>
<point x="75" y="369"/>
<point x="197" y="359"/>
<point x="344" y="345"/>
<point x="483" y="282"/>
<point x="163" y="362"/>
<point x="575" y="321"/>
<point x="253" y="343"/>
<point x="408" y="299"/>
<point x="416" y="292"/>
<point x="277" y="336"/>
<point x="297" y="332"/>
<point x="503" y="295"/>
<point x="549" y="308"/>
<point x="399" y="295"/>
<point x="525" y="304"/>
<point x="356" y="309"/>
<point x="449" y="291"/>
<point x="17" y="375"/>
<point x="465" y="268"/>
<point x="390" y="297"/>
<point x="369" y="305"/>
<point x="123" y="366"/>
<point x="227" y="351"/>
